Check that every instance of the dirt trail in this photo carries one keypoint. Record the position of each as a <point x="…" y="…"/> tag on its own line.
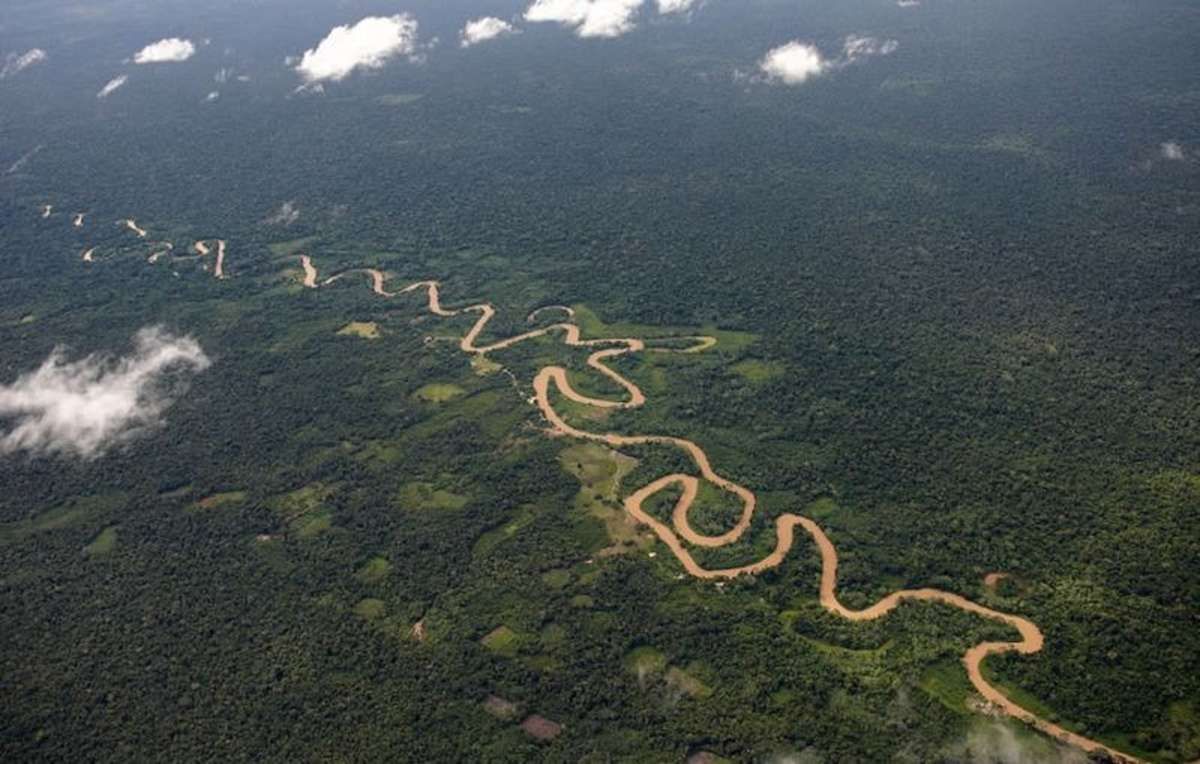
<point x="132" y="225"/>
<point x="310" y="272"/>
<point x="156" y="256"/>
<point x="202" y="249"/>
<point x="702" y="344"/>
<point x="533" y="317"/>
<point x="992" y="580"/>
<point x="554" y="379"/>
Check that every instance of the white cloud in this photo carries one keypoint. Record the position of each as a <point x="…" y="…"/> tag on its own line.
<point x="83" y="408"/>
<point x="1173" y="151"/>
<point x="675" y="6"/>
<point x="14" y="63"/>
<point x="908" y="3"/>
<point x="214" y="95"/>
<point x="113" y="85"/>
<point x="368" y="44"/>
<point x="856" y="47"/>
<point x="484" y="29"/>
<point x="589" y="18"/>
<point x="797" y="62"/>
<point x="170" y="50"/>
<point x="793" y="63"/>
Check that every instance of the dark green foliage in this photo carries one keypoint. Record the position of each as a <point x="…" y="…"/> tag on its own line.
<point x="964" y="287"/>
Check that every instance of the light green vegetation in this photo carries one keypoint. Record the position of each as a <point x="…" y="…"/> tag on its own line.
<point x="314" y="525"/>
<point x="600" y="470"/>
<point x="593" y="326"/>
<point x="648" y="663"/>
<point x="175" y="492"/>
<point x="381" y="453"/>
<point x="688" y="682"/>
<point x="757" y="371"/>
<point x="484" y="366"/>
<point x="645" y="660"/>
<point x="822" y="508"/>
<point x="1184" y="728"/>
<point x="103" y="544"/>
<point x="502" y="709"/>
<point x="557" y="579"/>
<point x="426" y="496"/>
<point x="370" y="609"/>
<point x="502" y="641"/>
<point x="869" y="665"/>
<point x="399" y="99"/>
<point x="299" y="333"/>
<point x="375" y="570"/>
<point x="304" y="509"/>
<point x="70" y="514"/>
<point x="225" y="499"/>
<point x="490" y="540"/>
<point x="440" y="392"/>
<point x="292" y="247"/>
<point x="364" y="329"/>
<point x="948" y="683"/>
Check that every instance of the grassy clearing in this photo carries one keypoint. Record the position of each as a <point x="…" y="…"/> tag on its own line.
<point x="490" y="540"/>
<point x="399" y="99"/>
<point x="687" y="682"/>
<point x="502" y="641"/>
<point x="645" y="660"/>
<point x="103" y="544"/>
<point x="364" y="329"/>
<point x="285" y="248"/>
<point x="502" y="709"/>
<point x="314" y="525"/>
<point x="593" y="326"/>
<point x="370" y="609"/>
<point x="218" y="500"/>
<point x="381" y="453"/>
<point x="304" y="509"/>
<point x="557" y="579"/>
<point x="67" y="515"/>
<point x="376" y="570"/>
<point x="426" y="496"/>
<point x="440" y="392"/>
<point x="948" y="684"/>
<point x="600" y="472"/>
<point x="822" y="508"/>
<point x="175" y="492"/>
<point x="299" y="333"/>
<point x="870" y="666"/>
<point x="484" y="366"/>
<point x="757" y="371"/>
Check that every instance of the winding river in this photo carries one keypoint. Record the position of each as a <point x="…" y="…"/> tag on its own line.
<point x="552" y="381"/>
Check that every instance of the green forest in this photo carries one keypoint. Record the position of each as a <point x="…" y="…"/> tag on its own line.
<point x="956" y="302"/>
